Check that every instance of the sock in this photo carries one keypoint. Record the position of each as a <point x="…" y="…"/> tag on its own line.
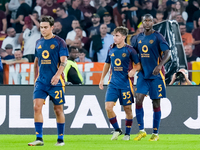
<point x="156" y="119"/>
<point x="38" y="130"/>
<point x="139" y="116"/>
<point x="61" y="130"/>
<point x="114" y="123"/>
<point x="128" y="126"/>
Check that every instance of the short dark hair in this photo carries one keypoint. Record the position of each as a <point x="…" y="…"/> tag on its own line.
<point x="34" y="12"/>
<point x="71" y="48"/>
<point x="181" y="24"/>
<point x="61" y="7"/>
<point x="18" y="49"/>
<point x="147" y="16"/>
<point x="48" y="19"/>
<point x="159" y="12"/>
<point x="78" y="28"/>
<point x="82" y="50"/>
<point x="122" y="30"/>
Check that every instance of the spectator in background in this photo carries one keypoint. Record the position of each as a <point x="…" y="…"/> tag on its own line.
<point x="100" y="45"/>
<point x="186" y="37"/>
<point x="94" y="29"/>
<point x="125" y="8"/>
<point x="87" y="10"/>
<point x="49" y="9"/>
<point x="159" y="17"/>
<point x="71" y="72"/>
<point x="196" y="43"/>
<point x="12" y="39"/>
<point x="76" y="43"/>
<point x="117" y="17"/>
<point x="85" y="41"/>
<point x="189" y="54"/>
<point x="179" y="9"/>
<point x="107" y="7"/>
<point x="38" y="7"/>
<point x="74" y="11"/>
<point x="196" y="17"/>
<point x="100" y="10"/>
<point x="82" y="56"/>
<point x="72" y="34"/>
<point x="23" y="11"/>
<point x="2" y="4"/>
<point x="7" y="53"/>
<point x="3" y="22"/>
<point x="30" y="35"/>
<point x="107" y="20"/>
<point x="179" y="18"/>
<point x="181" y="78"/>
<point x="35" y="16"/>
<point x="57" y="30"/>
<point x="18" y="58"/>
<point x="64" y="19"/>
<point x="190" y="9"/>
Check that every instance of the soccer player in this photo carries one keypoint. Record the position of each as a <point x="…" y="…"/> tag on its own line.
<point x="150" y="45"/>
<point x="119" y="57"/>
<point x="50" y="59"/>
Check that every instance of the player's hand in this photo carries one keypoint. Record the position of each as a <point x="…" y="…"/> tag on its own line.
<point x="101" y="84"/>
<point x="55" y="80"/>
<point x="131" y="73"/>
<point x="157" y="70"/>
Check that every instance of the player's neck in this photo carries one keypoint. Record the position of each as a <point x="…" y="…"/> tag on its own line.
<point x="48" y="36"/>
<point x="148" y="32"/>
<point x="121" y="45"/>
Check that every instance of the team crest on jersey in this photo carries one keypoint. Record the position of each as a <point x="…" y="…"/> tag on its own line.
<point x="39" y="47"/>
<point x="151" y="41"/>
<point x="113" y="54"/>
<point x="140" y="41"/>
<point x="52" y="46"/>
<point x="124" y="55"/>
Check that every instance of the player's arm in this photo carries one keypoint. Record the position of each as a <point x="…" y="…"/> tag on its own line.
<point x="136" y="67"/>
<point x="35" y="67"/>
<point x="165" y="58"/>
<point x="56" y="77"/>
<point x="105" y="71"/>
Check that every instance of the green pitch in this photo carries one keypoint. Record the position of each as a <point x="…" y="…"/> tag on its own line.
<point x="102" y="142"/>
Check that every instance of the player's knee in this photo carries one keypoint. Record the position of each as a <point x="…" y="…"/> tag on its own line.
<point x="58" y="111"/>
<point x="37" y="108"/>
<point x="128" y="110"/>
<point x="108" y="108"/>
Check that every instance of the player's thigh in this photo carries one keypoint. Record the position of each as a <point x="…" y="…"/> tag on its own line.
<point x="157" y="89"/>
<point x="126" y="97"/>
<point x="39" y="91"/>
<point x="142" y="86"/>
<point x="38" y="103"/>
<point x="112" y="94"/>
<point x="57" y="95"/>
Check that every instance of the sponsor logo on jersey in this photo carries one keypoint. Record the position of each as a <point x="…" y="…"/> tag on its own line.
<point x="140" y="41"/>
<point x="151" y="41"/>
<point x="124" y="55"/>
<point x="52" y="46"/>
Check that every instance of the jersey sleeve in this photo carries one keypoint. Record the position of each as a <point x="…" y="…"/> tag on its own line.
<point x="162" y="42"/>
<point x="134" y="56"/>
<point x="134" y="42"/>
<point x="108" y="60"/>
<point x="63" y="49"/>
